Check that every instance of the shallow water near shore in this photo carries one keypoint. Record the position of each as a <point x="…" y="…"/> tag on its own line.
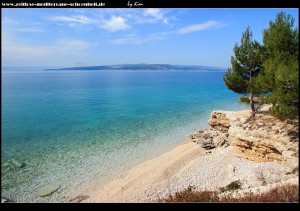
<point x="73" y="127"/>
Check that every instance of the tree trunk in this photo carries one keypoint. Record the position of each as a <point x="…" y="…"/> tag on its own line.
<point x="251" y="101"/>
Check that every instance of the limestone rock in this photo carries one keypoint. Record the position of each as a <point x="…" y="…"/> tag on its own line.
<point x="207" y="145"/>
<point x="219" y="121"/>
<point x="260" y="140"/>
<point x="255" y="151"/>
<point x="263" y="138"/>
<point x="260" y="124"/>
<point x="47" y="190"/>
<point x="210" y="138"/>
<point x="220" y="141"/>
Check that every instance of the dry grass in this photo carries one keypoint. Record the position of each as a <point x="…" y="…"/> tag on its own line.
<point x="190" y="195"/>
<point x="260" y="176"/>
<point x="284" y="193"/>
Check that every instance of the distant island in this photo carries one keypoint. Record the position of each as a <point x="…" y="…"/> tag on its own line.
<point x="154" y="67"/>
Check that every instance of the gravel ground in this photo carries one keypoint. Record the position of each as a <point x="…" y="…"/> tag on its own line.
<point x="181" y="167"/>
<point x="218" y="169"/>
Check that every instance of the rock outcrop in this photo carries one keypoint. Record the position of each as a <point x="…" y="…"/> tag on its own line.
<point x="219" y="121"/>
<point x="210" y="138"/>
<point x="262" y="139"/>
<point x="217" y="135"/>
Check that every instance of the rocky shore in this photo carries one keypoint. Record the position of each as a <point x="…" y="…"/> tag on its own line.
<point x="262" y="139"/>
<point x="260" y="154"/>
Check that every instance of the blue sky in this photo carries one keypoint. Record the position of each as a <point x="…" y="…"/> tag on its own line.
<point x="91" y="36"/>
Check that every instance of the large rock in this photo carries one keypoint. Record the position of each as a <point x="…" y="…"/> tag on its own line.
<point x="219" y="121"/>
<point x="256" y="151"/>
<point x="45" y="191"/>
<point x="207" y="144"/>
<point x="262" y="139"/>
<point x="209" y="138"/>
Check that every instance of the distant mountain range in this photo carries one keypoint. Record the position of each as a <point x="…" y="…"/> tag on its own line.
<point x="153" y="67"/>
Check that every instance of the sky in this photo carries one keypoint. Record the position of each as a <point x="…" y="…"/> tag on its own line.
<point x="70" y="37"/>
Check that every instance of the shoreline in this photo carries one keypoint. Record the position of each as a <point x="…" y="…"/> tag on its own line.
<point x="138" y="182"/>
<point x="187" y="164"/>
<point x="66" y="190"/>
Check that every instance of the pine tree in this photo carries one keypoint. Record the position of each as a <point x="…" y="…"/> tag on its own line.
<point x="280" y="74"/>
<point x="246" y="64"/>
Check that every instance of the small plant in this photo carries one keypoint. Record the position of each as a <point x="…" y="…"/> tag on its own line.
<point x="260" y="176"/>
<point x="190" y="188"/>
<point x="235" y="185"/>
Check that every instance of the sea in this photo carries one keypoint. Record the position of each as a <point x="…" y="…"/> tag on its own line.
<point x="67" y="129"/>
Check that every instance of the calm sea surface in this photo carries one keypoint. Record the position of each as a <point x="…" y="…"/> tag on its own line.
<point x="73" y="127"/>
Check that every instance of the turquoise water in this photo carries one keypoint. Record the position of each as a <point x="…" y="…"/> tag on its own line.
<point x="69" y="128"/>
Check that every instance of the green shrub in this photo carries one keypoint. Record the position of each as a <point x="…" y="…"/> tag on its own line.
<point x="235" y="185"/>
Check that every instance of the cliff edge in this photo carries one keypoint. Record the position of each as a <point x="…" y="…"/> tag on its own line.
<point x="262" y="139"/>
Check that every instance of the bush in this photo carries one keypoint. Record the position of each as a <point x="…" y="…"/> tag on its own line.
<point x="190" y="195"/>
<point x="284" y="193"/>
<point x="231" y="187"/>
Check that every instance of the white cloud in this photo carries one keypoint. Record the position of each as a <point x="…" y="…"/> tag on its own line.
<point x="153" y="12"/>
<point x="69" y="46"/>
<point x="81" y="19"/>
<point x="201" y="27"/>
<point x="33" y="29"/>
<point x="133" y="39"/>
<point x="8" y="21"/>
<point x="115" y="23"/>
<point x="17" y="51"/>
<point x="158" y="36"/>
<point x="61" y="47"/>
<point x="155" y="15"/>
<point x="114" y="19"/>
<point x="12" y="25"/>
<point x="129" y="39"/>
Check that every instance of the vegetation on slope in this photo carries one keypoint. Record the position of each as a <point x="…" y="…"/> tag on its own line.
<point x="284" y="193"/>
